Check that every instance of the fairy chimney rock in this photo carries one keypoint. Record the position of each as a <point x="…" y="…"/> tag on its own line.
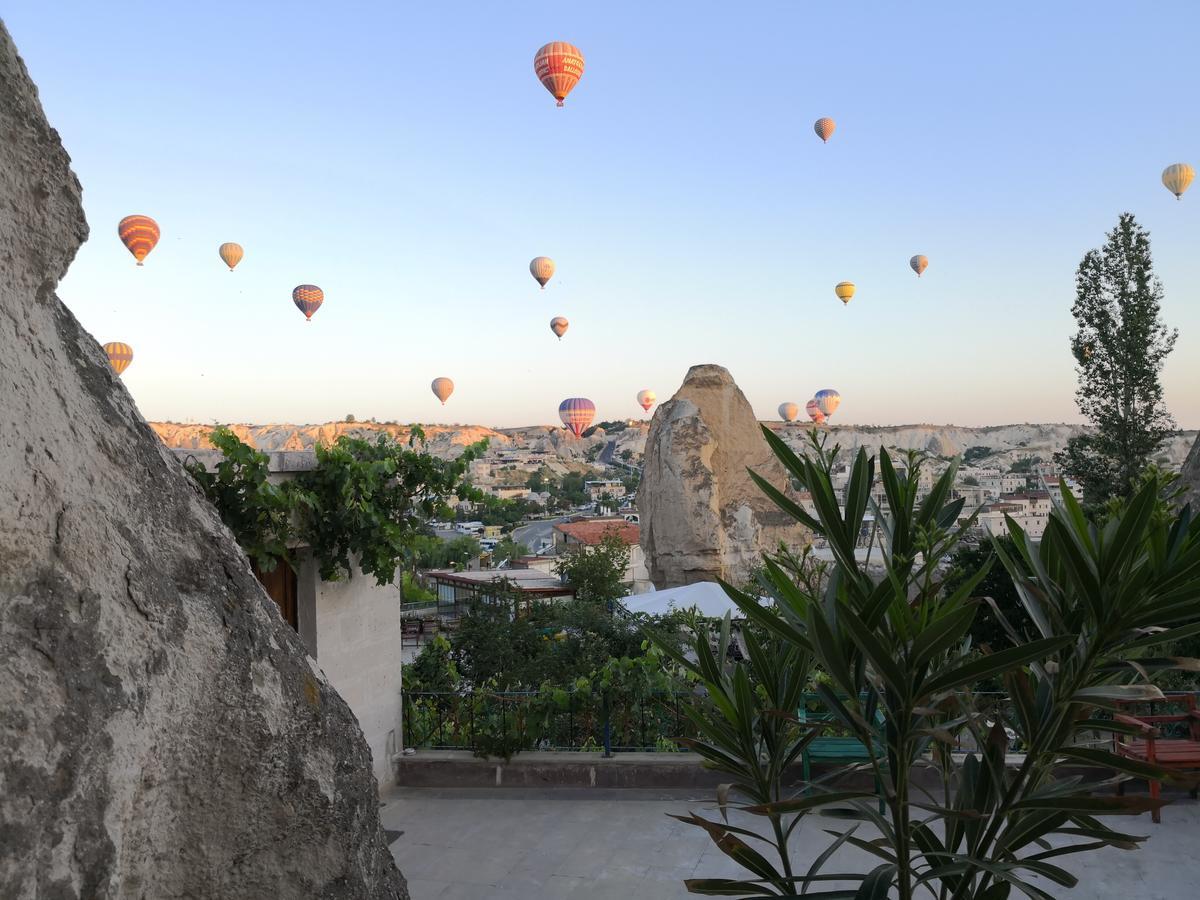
<point x="702" y="517"/>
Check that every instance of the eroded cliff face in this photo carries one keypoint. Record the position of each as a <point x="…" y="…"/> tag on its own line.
<point x="1190" y="478"/>
<point x="702" y="517"/>
<point x="162" y="731"/>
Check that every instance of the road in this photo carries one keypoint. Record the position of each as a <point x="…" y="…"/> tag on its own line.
<point x="533" y="534"/>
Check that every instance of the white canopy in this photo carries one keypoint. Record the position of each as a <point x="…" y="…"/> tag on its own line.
<point x="707" y="596"/>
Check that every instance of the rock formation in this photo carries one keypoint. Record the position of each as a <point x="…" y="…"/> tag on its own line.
<point x="162" y="732"/>
<point x="1190" y="477"/>
<point x="702" y="517"/>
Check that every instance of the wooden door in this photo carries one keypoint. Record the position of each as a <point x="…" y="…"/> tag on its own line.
<point x="280" y="584"/>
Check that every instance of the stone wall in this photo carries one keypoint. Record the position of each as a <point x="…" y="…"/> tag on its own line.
<point x="162" y="732"/>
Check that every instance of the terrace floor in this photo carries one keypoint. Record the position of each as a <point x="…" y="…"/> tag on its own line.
<point x="508" y="843"/>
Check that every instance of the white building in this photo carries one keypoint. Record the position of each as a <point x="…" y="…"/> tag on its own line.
<point x="1008" y="483"/>
<point x="351" y="628"/>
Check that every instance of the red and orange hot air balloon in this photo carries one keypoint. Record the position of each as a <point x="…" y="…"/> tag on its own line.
<point x="559" y="66"/>
<point x="559" y="325"/>
<point x="577" y="414"/>
<point x="813" y="408"/>
<point x="646" y="399"/>
<point x="139" y="234"/>
<point x="308" y="299"/>
<point x="119" y="354"/>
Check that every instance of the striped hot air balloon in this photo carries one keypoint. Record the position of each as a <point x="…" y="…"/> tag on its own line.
<point x="814" y="411"/>
<point x="559" y="326"/>
<point x="308" y="299"/>
<point x="824" y="128"/>
<point x="844" y="290"/>
<point x="442" y="389"/>
<point x="139" y="234"/>
<point x="646" y="399"/>
<point x="919" y="264"/>
<point x="577" y="414"/>
<point x="119" y="356"/>
<point x="231" y="254"/>
<point x="542" y="269"/>
<point x="828" y="401"/>
<point x="559" y="66"/>
<point x="1177" y="178"/>
<point x="789" y="412"/>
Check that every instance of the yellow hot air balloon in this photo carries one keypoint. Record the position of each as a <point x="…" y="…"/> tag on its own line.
<point x="824" y="128"/>
<point x="1176" y="178"/>
<point x="919" y="263"/>
<point x="442" y="389"/>
<point x="844" y="290"/>
<point x="788" y="411"/>
<point x="231" y="254"/>
<point x="559" y="326"/>
<point x="542" y="269"/>
<point x="119" y="356"/>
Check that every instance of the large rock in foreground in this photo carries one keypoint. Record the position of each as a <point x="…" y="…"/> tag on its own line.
<point x="702" y="517"/>
<point x="162" y="732"/>
<point x="1189" y="477"/>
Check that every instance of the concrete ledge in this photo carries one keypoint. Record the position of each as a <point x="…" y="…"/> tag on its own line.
<point x="459" y="768"/>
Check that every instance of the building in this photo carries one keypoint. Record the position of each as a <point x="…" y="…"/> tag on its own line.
<point x="993" y="519"/>
<point x="597" y="489"/>
<point x="509" y="491"/>
<point x="351" y="627"/>
<point x="1008" y="483"/>
<point x="582" y="536"/>
<point x="457" y="591"/>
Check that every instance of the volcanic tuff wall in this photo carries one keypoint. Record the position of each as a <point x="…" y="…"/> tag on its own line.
<point x="162" y="732"/>
<point x="702" y="518"/>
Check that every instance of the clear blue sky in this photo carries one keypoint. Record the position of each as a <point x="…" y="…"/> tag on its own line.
<point x="404" y="157"/>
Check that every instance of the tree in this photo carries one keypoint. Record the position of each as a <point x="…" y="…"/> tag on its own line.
<point x="349" y="420"/>
<point x="508" y="549"/>
<point x="1119" y="348"/>
<point x="988" y="628"/>
<point x="627" y="455"/>
<point x="597" y="573"/>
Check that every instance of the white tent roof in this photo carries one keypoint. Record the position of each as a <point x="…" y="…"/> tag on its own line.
<point x="707" y="596"/>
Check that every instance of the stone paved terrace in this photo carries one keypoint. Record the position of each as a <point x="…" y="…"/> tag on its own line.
<point x="505" y="844"/>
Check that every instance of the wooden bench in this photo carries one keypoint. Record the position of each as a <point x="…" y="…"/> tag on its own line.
<point x="1169" y="740"/>
<point x="838" y="750"/>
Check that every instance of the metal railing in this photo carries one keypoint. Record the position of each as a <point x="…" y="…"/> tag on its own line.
<point x="558" y="720"/>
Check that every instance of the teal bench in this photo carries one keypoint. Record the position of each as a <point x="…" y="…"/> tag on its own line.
<point x="839" y="750"/>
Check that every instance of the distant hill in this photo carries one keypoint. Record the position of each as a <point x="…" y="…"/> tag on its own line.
<point x="1006" y="443"/>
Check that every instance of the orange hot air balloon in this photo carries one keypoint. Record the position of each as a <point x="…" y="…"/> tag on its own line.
<point x="559" y="326"/>
<point x="308" y="299"/>
<point x="919" y="264"/>
<point x="814" y="411"/>
<point x="139" y="234"/>
<point x="789" y="412"/>
<point x="442" y="389"/>
<point x="824" y="128"/>
<point x="542" y="269"/>
<point x="646" y="399"/>
<point x="231" y="254"/>
<point x="559" y="66"/>
<point x="119" y="356"/>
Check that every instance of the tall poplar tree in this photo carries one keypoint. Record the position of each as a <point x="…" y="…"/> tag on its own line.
<point x="1119" y="349"/>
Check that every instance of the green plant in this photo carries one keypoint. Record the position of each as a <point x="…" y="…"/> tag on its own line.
<point x="255" y="510"/>
<point x="598" y="574"/>
<point x="1102" y="600"/>
<point x="366" y="501"/>
<point x="1119" y="348"/>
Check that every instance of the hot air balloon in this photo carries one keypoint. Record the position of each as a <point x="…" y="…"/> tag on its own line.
<point x="828" y="401"/>
<point x="119" y="356"/>
<point x="646" y="399"/>
<point x="559" y="66"/>
<point x="442" y="389"/>
<point x="559" y="326"/>
<point x="1177" y="178"/>
<point x="231" y="254"/>
<point x="542" y="269"/>
<point x="139" y="234"/>
<point x="789" y="411"/>
<point x="814" y="411"/>
<point x="824" y="128"/>
<point x="844" y="290"/>
<point x="919" y="263"/>
<point x="577" y="414"/>
<point x="308" y="299"/>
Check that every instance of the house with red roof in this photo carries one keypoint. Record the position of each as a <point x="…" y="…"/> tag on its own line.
<point x="585" y="534"/>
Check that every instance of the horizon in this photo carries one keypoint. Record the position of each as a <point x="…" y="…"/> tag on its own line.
<point x="690" y="209"/>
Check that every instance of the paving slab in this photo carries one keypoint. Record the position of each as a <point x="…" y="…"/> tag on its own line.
<point x="593" y="844"/>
